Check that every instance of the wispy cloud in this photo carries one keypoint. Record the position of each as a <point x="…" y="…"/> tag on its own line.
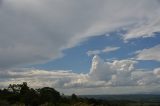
<point x="149" y="54"/>
<point x="110" y="49"/>
<point x="36" y="31"/>
<point x="105" y="50"/>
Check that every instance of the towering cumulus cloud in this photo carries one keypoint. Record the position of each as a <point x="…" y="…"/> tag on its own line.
<point x="102" y="74"/>
<point x="114" y="73"/>
<point x="100" y="70"/>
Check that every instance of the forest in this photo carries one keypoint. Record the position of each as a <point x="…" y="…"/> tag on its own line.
<point x="22" y="95"/>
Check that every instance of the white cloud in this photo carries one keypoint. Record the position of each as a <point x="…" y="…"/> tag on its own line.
<point x="35" y="31"/>
<point x="149" y="54"/>
<point x="100" y="70"/>
<point x="116" y="73"/>
<point x="110" y="49"/>
<point x="157" y="72"/>
<point x="38" y="78"/>
<point x="144" y="78"/>
<point x="102" y="74"/>
<point x="105" y="50"/>
<point x="122" y="73"/>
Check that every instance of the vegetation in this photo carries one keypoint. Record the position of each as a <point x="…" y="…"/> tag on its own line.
<point x="22" y="95"/>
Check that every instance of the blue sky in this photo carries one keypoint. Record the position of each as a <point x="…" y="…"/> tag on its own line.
<point x="75" y="46"/>
<point x="76" y="58"/>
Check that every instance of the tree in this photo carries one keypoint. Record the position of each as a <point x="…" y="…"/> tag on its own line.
<point x="31" y="98"/>
<point x="74" y="96"/>
<point x="48" y="94"/>
<point x="24" y="88"/>
<point x="14" y="88"/>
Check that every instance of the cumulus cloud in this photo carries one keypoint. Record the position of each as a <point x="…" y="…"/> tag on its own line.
<point x="35" y="31"/>
<point x="157" y="72"/>
<point x="118" y="73"/>
<point x="122" y="73"/>
<point x="149" y="54"/>
<point x="105" y="50"/>
<point x="100" y="70"/>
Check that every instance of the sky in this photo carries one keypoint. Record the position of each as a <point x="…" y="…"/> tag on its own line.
<point x="82" y="47"/>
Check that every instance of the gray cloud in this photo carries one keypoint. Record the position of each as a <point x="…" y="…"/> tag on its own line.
<point x="0" y="2"/>
<point x="36" y="31"/>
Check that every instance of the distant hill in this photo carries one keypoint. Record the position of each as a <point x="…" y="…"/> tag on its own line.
<point x="130" y="97"/>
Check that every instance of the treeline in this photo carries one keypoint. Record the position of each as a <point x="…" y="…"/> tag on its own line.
<point x="22" y="95"/>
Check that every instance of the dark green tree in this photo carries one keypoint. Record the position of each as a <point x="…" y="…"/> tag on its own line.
<point x="74" y="97"/>
<point x="49" y="95"/>
<point x="31" y="97"/>
<point x="24" y="88"/>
